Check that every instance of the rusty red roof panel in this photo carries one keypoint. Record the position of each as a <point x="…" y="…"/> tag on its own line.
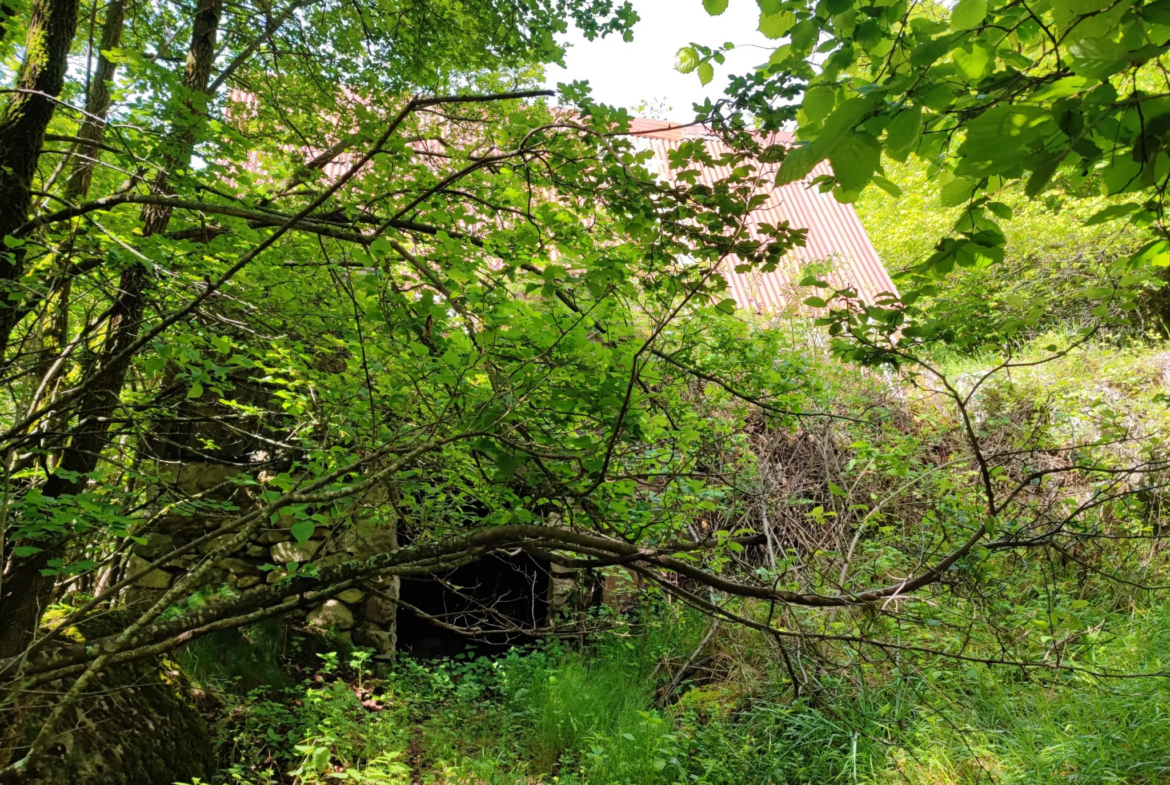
<point x="835" y="234"/>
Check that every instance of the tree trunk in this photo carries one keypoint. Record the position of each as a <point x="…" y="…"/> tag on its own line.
<point x="97" y="104"/>
<point x="22" y="129"/>
<point x="26" y="591"/>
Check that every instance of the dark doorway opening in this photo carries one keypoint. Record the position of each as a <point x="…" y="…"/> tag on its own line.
<point x="503" y="598"/>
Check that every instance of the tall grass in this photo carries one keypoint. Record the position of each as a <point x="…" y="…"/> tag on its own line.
<point x="238" y="660"/>
<point x="593" y="711"/>
<point x="589" y="716"/>
<point x="960" y="726"/>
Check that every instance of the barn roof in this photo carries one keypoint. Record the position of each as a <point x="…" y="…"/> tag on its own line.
<point x="835" y="233"/>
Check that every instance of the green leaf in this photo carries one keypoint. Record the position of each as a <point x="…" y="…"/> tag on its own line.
<point x="1157" y="12"/>
<point x="302" y="530"/>
<point x="998" y="139"/>
<point x="776" y="25"/>
<point x="1155" y="253"/>
<point x="1041" y="175"/>
<point x="726" y="305"/>
<point x="1121" y="175"/>
<point x="818" y="103"/>
<point x="927" y="53"/>
<point x="1112" y="212"/>
<point x="904" y="132"/>
<point x="968" y="14"/>
<point x="974" y="61"/>
<point x="800" y="162"/>
<point x="196" y="390"/>
<point x="770" y="6"/>
<point x="957" y="191"/>
<point x="887" y="186"/>
<point x="686" y="60"/>
<point x="999" y="210"/>
<point x="816" y="302"/>
<point x="715" y="7"/>
<point x="855" y="160"/>
<point x="780" y="54"/>
<point x="706" y="73"/>
<point x="1097" y="58"/>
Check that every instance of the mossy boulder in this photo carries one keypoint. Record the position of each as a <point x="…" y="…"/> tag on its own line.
<point x="137" y="725"/>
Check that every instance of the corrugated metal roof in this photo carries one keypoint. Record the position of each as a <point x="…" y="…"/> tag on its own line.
<point x="835" y="233"/>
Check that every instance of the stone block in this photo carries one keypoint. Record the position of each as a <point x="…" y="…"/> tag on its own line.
<point x="237" y="566"/>
<point x="157" y="544"/>
<point x="371" y="635"/>
<point x="351" y="596"/>
<point x="367" y="540"/>
<point x="331" y="614"/>
<point x="379" y="611"/>
<point x="332" y="560"/>
<point x="213" y="543"/>
<point x="155" y="579"/>
<point x="247" y="581"/>
<point x="284" y="552"/>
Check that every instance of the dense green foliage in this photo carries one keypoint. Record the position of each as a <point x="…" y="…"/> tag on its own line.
<point x="996" y="99"/>
<point x="1053" y="268"/>
<point x="302" y="302"/>
<point x="599" y="715"/>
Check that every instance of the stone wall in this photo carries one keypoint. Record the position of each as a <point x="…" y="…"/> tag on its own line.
<point x="355" y="615"/>
<point x="365" y="616"/>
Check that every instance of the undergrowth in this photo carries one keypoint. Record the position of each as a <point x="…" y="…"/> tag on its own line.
<point x="659" y="702"/>
<point x="599" y="715"/>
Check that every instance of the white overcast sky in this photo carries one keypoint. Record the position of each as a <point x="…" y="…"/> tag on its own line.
<point x="642" y="71"/>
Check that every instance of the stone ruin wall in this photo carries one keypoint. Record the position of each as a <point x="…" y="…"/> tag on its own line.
<point x="355" y="615"/>
<point x="362" y="617"/>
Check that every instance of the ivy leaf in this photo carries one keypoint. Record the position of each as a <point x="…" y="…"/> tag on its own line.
<point x="715" y="7"/>
<point x="968" y="14"/>
<point x="776" y="25"/>
<point x="686" y="60"/>
<point x="706" y="73"/>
